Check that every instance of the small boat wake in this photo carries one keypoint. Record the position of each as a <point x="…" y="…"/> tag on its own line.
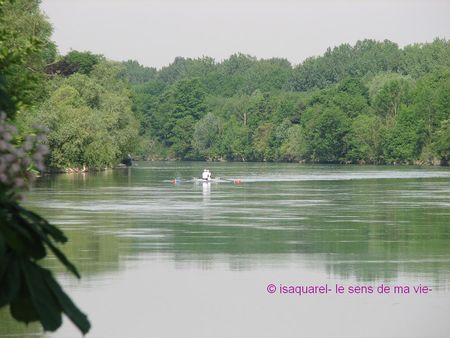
<point x="206" y="178"/>
<point x="324" y="176"/>
<point x="206" y="181"/>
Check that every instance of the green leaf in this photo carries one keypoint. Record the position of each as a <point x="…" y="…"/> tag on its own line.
<point x="25" y="236"/>
<point x="2" y="253"/>
<point x="28" y="232"/>
<point x="22" y="309"/>
<point x="47" y="228"/>
<point x="69" y="308"/>
<point x="12" y="238"/>
<point x="44" y="302"/>
<point x="19" y="234"/>
<point x="10" y="281"/>
<point x="62" y="258"/>
<point x="56" y="233"/>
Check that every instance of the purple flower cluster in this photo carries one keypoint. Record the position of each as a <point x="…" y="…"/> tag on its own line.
<point x="19" y="162"/>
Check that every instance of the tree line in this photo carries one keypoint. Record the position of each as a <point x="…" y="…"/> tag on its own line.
<point x="371" y="102"/>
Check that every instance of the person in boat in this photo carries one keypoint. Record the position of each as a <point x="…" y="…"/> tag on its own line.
<point x="206" y="175"/>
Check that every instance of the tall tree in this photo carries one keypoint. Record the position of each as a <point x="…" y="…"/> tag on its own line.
<point x="24" y="52"/>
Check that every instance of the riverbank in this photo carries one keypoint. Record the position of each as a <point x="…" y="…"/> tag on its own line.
<point x="85" y="169"/>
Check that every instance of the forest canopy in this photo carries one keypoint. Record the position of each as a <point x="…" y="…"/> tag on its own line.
<point x="371" y="102"/>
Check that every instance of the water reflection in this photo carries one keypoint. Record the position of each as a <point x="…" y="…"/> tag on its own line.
<point x="352" y="222"/>
<point x="206" y="189"/>
<point x="324" y="223"/>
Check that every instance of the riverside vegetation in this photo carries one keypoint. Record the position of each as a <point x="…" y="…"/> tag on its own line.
<point x="368" y="103"/>
<point x="27" y="287"/>
<point x="371" y="102"/>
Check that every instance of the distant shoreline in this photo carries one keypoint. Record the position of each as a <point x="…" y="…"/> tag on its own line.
<point x="403" y="164"/>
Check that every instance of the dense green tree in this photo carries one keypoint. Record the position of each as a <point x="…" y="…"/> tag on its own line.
<point x="183" y="68"/>
<point x="293" y="147"/>
<point x="324" y="130"/>
<point x="391" y="96"/>
<point x="145" y="103"/>
<point x="236" y="143"/>
<point x="262" y="142"/>
<point x="364" y="139"/>
<point x="432" y="99"/>
<point x="442" y="141"/>
<point x="422" y="58"/>
<point x="23" y="53"/>
<point x="182" y="134"/>
<point x="404" y="140"/>
<point x="208" y="137"/>
<point x="90" y="119"/>
<point x="288" y="106"/>
<point x="266" y="76"/>
<point x="174" y="115"/>
<point x="189" y="97"/>
<point x="84" y="62"/>
<point x="351" y="96"/>
<point x="376" y="82"/>
<point x="135" y="73"/>
<point x="281" y="133"/>
<point x="367" y="56"/>
<point x="238" y="106"/>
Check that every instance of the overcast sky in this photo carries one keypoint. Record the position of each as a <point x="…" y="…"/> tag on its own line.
<point x="154" y="32"/>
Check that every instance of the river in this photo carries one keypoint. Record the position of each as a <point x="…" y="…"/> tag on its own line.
<point x="181" y="259"/>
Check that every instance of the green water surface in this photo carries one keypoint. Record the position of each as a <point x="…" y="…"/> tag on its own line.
<point x="190" y="259"/>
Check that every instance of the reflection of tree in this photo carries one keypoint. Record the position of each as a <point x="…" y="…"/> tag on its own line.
<point x="367" y="229"/>
<point x="360" y="231"/>
<point x="94" y="251"/>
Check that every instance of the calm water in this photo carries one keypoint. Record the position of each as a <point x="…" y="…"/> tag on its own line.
<point x="194" y="260"/>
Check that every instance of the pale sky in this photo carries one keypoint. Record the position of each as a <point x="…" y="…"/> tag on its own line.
<point x="154" y="32"/>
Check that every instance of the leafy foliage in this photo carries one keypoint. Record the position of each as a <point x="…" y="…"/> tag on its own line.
<point x="74" y="62"/>
<point x="84" y="62"/>
<point x="30" y="291"/>
<point x="23" y="53"/>
<point x="372" y="102"/>
<point x="135" y="73"/>
<point x="89" y="117"/>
